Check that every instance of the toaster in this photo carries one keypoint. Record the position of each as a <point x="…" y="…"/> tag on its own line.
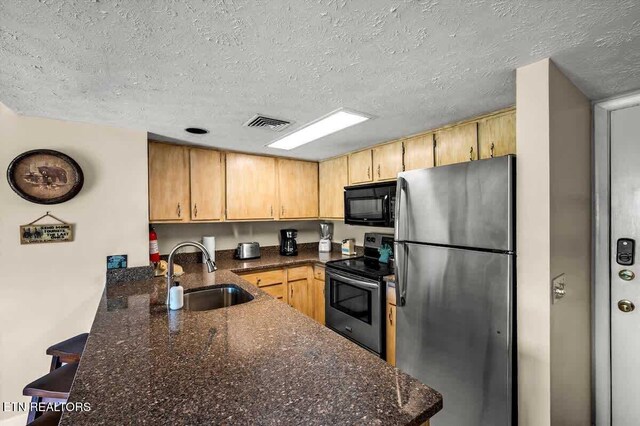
<point x="247" y="251"/>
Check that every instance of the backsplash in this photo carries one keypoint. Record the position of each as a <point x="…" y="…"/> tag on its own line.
<point x="229" y="234"/>
<point x="342" y="231"/>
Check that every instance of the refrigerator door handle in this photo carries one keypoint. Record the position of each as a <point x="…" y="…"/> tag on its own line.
<point x="401" y="273"/>
<point x="401" y="186"/>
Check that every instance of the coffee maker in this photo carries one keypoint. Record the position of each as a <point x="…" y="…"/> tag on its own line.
<point x="324" y="246"/>
<point x="288" y="245"/>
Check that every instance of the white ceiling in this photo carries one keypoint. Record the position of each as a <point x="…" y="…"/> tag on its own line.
<point x="166" y="65"/>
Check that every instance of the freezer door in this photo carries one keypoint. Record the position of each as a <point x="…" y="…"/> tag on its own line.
<point x="468" y="204"/>
<point x="454" y="331"/>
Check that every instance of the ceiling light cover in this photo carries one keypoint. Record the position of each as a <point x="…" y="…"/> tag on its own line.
<point x="333" y="122"/>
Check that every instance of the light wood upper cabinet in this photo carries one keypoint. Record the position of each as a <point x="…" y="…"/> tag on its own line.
<point x="387" y="161"/>
<point x="298" y="184"/>
<point x="207" y="184"/>
<point x="360" y="164"/>
<point x="497" y="135"/>
<point x="251" y="187"/>
<point x="334" y="176"/>
<point x="418" y="152"/>
<point x="457" y="144"/>
<point x="168" y="182"/>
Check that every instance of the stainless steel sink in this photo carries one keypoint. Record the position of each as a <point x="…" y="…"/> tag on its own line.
<point x="220" y="296"/>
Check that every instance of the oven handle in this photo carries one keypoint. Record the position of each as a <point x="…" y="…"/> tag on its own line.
<point x="353" y="282"/>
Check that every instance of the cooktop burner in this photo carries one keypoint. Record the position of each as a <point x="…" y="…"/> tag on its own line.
<point x="363" y="266"/>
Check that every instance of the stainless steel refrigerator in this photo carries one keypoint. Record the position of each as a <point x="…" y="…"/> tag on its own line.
<point x="455" y="273"/>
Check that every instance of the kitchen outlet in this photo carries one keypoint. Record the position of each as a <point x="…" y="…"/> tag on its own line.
<point x="558" y="288"/>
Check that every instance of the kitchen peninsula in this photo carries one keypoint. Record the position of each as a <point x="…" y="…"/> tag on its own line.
<point x="260" y="362"/>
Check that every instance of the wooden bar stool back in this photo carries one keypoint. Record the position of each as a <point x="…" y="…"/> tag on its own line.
<point x="55" y="385"/>
<point x="67" y="351"/>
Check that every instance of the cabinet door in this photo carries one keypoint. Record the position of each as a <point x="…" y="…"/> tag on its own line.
<point x="387" y="161"/>
<point x="207" y="184"/>
<point x="418" y="152"/>
<point x="497" y="135"/>
<point x="391" y="334"/>
<point x="299" y="296"/>
<point x="251" y="186"/>
<point x="298" y="184"/>
<point x="360" y="167"/>
<point x="457" y="144"/>
<point x="318" y="301"/>
<point x="168" y="182"/>
<point x="334" y="176"/>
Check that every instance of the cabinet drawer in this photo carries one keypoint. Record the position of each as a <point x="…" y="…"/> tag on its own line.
<point x="265" y="278"/>
<point x="318" y="273"/>
<point x="299" y="273"/>
<point x="279" y="291"/>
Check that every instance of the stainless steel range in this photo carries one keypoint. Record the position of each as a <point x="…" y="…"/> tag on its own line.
<point x="355" y="294"/>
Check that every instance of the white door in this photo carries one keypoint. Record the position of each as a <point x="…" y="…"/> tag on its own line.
<point x="625" y="270"/>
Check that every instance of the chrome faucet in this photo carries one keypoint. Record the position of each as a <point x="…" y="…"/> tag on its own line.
<point x="211" y="265"/>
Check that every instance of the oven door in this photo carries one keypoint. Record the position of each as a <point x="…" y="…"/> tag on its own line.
<point x="354" y="308"/>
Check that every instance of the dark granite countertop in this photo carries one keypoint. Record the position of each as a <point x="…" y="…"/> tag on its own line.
<point x="261" y="362"/>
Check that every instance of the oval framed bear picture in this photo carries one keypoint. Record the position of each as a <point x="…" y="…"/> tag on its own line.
<point x="45" y="176"/>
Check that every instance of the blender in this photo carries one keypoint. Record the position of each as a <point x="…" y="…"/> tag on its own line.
<point x="326" y="229"/>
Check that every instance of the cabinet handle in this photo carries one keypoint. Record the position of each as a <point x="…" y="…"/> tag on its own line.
<point x="471" y="154"/>
<point x="179" y="210"/>
<point x="291" y="296"/>
<point x="272" y="211"/>
<point x="195" y="210"/>
<point x="369" y="172"/>
<point x="378" y="170"/>
<point x="390" y="315"/>
<point x="282" y="211"/>
<point x="258" y="281"/>
<point x="492" y="148"/>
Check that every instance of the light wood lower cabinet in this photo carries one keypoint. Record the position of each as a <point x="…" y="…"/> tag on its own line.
<point x="168" y="182"/>
<point x="207" y="184"/>
<point x="391" y="326"/>
<point x="318" y="294"/>
<point x="497" y="135"/>
<point x="387" y="161"/>
<point x="273" y="282"/>
<point x="298" y="286"/>
<point x="360" y="164"/>
<point x="457" y="144"/>
<point x="298" y="185"/>
<point x="419" y="152"/>
<point x="333" y="177"/>
<point x="251" y="187"/>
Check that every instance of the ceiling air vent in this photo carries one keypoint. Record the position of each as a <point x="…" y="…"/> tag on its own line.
<point x="270" y="123"/>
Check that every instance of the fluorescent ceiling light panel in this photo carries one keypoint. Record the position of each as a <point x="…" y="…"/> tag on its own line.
<point x="337" y="120"/>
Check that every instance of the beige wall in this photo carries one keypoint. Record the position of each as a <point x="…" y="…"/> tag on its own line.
<point x="570" y="153"/>
<point x="554" y="235"/>
<point x="50" y="291"/>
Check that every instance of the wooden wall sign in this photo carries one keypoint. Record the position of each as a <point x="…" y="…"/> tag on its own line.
<point x="46" y="233"/>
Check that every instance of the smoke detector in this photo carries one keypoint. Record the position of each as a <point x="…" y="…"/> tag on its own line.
<point x="269" y="123"/>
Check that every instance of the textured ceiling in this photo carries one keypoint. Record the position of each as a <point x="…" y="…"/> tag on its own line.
<point x="165" y="65"/>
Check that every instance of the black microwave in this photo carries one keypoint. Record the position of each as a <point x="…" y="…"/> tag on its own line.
<point x="370" y="205"/>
